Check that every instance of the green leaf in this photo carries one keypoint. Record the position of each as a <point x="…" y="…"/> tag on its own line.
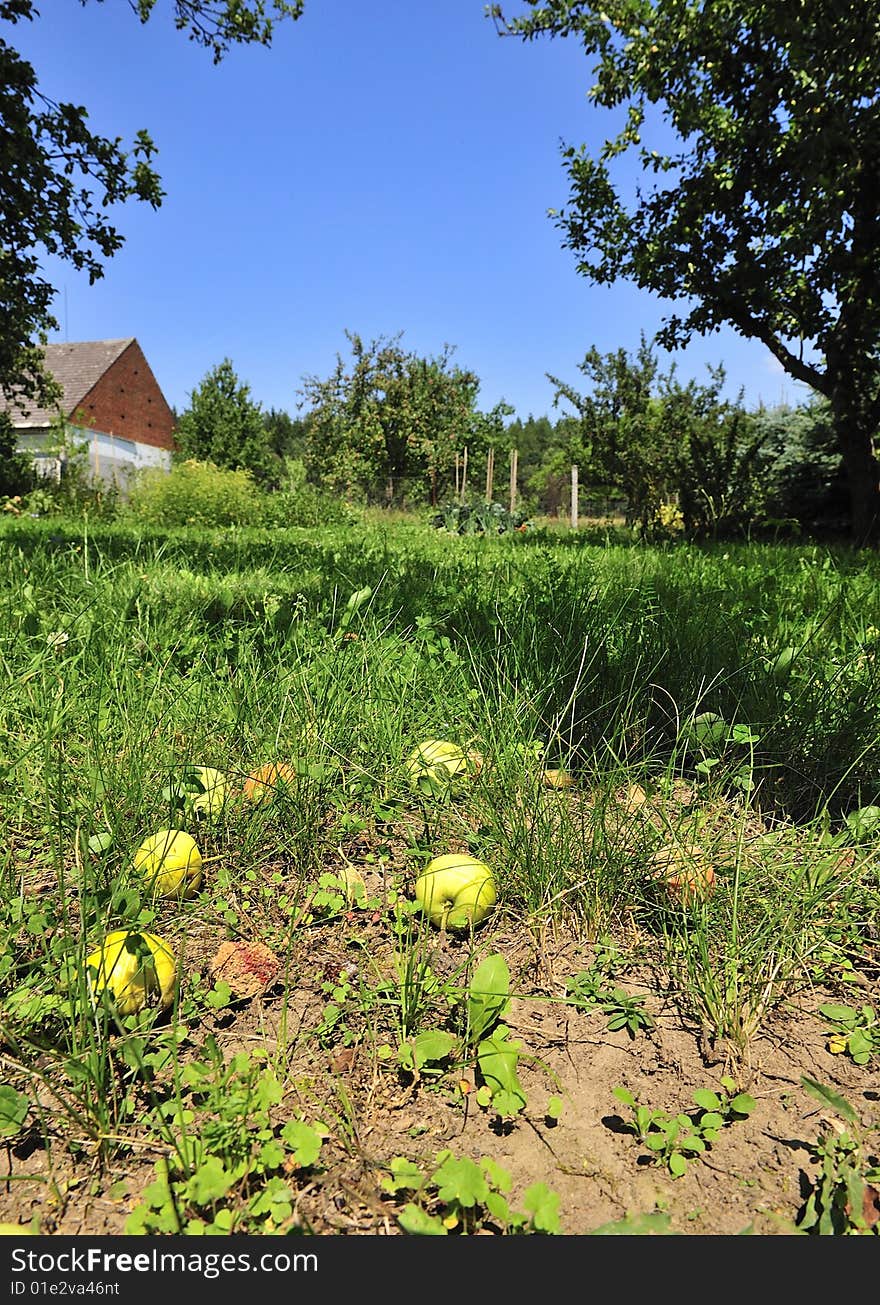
<point x="304" y="1140"/>
<point x="497" y="1059"/>
<point x="498" y="1208"/>
<point x="462" y="1181"/>
<point x="742" y="1104"/>
<point x="677" y="1165"/>
<point x="543" y="1205"/>
<point x="432" y="1046"/>
<point x="828" y="1097"/>
<point x="210" y="1182"/>
<point x="405" y="1175"/>
<point x="839" y="1014"/>
<point x="413" y="1219"/>
<point x="498" y="1177"/>
<point x="14" y="1107"/>
<point x="707" y="1099"/>
<point x="554" y="1108"/>
<point x="488" y="995"/>
<point x="98" y="844"/>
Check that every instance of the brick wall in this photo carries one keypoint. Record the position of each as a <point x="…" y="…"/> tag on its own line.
<point x="127" y="402"/>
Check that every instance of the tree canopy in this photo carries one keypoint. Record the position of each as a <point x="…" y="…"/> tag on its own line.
<point x="765" y="212"/>
<point x="389" y="420"/>
<point x="60" y="180"/>
<point x="224" y="425"/>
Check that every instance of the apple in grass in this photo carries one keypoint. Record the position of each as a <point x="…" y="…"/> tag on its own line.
<point x="137" y="969"/>
<point x="456" y="891"/>
<point x="171" y="863"/>
<point x="213" y="790"/>
<point x="686" y="874"/>
<point x="435" y="765"/>
<point x="264" y="783"/>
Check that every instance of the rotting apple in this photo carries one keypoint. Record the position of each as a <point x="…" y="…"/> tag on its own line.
<point x="456" y="891"/>
<point x="264" y="783"/>
<point x="137" y="969"/>
<point x="171" y="862"/>
<point x="685" y="872"/>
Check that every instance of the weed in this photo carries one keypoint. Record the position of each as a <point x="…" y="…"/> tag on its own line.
<point x="674" y="1140"/>
<point x="459" y="1195"/>
<point x="845" y="1195"/>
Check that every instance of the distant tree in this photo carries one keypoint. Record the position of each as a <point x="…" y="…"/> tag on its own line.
<point x="801" y="470"/>
<point x="765" y="216"/>
<point x="387" y="422"/>
<point x="656" y="442"/>
<point x="59" y="180"/>
<point x="225" y="426"/>
<point x="286" y="435"/>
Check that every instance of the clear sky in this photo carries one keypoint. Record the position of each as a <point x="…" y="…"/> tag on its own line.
<point x="385" y="167"/>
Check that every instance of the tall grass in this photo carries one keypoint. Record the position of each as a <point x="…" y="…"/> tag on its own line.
<point x="129" y="657"/>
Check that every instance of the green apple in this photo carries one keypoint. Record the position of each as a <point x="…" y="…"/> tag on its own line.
<point x="456" y="891"/>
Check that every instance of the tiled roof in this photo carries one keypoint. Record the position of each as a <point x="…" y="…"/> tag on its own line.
<point x="77" y="367"/>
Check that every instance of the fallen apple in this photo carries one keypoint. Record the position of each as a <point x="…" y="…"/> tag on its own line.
<point x="558" y="779"/>
<point x="264" y="783"/>
<point x="138" y="969"/>
<point x="213" y="789"/>
<point x="686" y="873"/>
<point x="436" y="764"/>
<point x="456" y="891"/>
<point x="171" y="862"/>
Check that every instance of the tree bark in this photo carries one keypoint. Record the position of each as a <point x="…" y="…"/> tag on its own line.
<point x="855" y="437"/>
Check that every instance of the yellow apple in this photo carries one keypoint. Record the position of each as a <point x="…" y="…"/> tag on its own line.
<point x="456" y="891"/>
<point x="435" y="764"/>
<point x="558" y="779"/>
<point x="138" y="969"/>
<point x="171" y="862"/>
<point x="214" y="790"/>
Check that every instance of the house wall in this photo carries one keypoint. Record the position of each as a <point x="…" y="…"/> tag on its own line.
<point x="108" y="457"/>
<point x="127" y="402"/>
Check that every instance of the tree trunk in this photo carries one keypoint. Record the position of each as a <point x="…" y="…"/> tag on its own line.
<point x="855" y="437"/>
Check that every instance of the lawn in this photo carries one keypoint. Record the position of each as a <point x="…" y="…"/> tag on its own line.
<point x="669" y="759"/>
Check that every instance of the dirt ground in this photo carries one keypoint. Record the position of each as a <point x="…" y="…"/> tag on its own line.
<point x="754" y="1178"/>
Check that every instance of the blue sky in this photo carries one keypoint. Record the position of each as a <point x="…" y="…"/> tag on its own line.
<point x="385" y="167"/>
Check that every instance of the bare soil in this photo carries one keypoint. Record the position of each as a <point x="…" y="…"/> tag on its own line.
<point x="754" y="1178"/>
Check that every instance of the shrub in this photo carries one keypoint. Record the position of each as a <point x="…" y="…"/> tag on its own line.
<point x="196" y="493"/>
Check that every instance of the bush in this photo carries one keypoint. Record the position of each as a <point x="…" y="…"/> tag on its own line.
<point x="196" y="493"/>
<point x="297" y="503"/>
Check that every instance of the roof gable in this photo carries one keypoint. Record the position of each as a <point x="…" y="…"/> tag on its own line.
<point x="77" y="367"/>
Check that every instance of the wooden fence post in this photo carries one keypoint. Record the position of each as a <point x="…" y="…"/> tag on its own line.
<point x="514" y="459"/>
<point x="464" y="473"/>
<point x="574" y="498"/>
<point x="490" y="474"/>
<point x="457" y="498"/>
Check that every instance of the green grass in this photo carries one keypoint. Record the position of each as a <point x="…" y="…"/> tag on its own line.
<point x="129" y="656"/>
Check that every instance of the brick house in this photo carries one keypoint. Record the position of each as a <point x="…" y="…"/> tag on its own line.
<point x="111" y="404"/>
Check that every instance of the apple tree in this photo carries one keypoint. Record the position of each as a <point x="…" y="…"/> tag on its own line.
<point x="763" y="213"/>
<point x="224" y="425"/>
<point x="387" y="423"/>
